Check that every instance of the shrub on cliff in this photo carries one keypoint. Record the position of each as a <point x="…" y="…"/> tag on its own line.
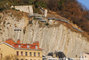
<point x="4" y="5"/>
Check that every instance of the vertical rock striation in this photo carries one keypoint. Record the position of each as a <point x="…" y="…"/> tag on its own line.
<point x="51" y="39"/>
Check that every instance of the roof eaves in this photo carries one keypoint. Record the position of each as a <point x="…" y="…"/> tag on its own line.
<point x="7" y="44"/>
<point x="28" y="49"/>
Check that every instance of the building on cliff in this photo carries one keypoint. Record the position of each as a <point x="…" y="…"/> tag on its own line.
<point x="84" y="56"/>
<point x="12" y="50"/>
<point x="29" y="9"/>
<point x="24" y="8"/>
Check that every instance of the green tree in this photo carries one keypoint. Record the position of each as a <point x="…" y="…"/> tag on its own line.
<point x="40" y="3"/>
<point x="31" y="2"/>
<point x="5" y="4"/>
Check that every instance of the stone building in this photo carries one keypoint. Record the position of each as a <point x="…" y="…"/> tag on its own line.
<point x="15" y="50"/>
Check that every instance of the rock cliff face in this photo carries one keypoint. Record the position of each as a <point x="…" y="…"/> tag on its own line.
<point x="51" y="39"/>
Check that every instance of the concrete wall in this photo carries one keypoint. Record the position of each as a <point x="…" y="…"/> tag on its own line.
<point x="27" y="9"/>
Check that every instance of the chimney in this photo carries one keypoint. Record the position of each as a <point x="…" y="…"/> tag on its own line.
<point x="31" y="10"/>
<point x="18" y="41"/>
<point x="45" y="13"/>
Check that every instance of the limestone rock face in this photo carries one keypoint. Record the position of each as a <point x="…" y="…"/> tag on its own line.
<point x="51" y="39"/>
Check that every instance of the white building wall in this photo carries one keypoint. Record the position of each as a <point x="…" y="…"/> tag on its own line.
<point x="45" y="13"/>
<point x="27" y="9"/>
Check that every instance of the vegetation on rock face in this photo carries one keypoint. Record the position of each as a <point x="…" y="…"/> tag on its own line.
<point x="69" y="9"/>
<point x="4" y="4"/>
<point x="73" y="11"/>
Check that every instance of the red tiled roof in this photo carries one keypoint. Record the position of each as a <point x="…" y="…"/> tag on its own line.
<point x="35" y="45"/>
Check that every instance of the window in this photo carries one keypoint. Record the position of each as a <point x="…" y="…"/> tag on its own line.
<point x="17" y="59"/>
<point x="38" y="53"/>
<point x="25" y="53"/>
<point x="21" y="59"/>
<point x="76" y="55"/>
<point x="30" y="53"/>
<point x="34" y="53"/>
<point x="17" y="53"/>
<point x="21" y="53"/>
<point x="1" y="56"/>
